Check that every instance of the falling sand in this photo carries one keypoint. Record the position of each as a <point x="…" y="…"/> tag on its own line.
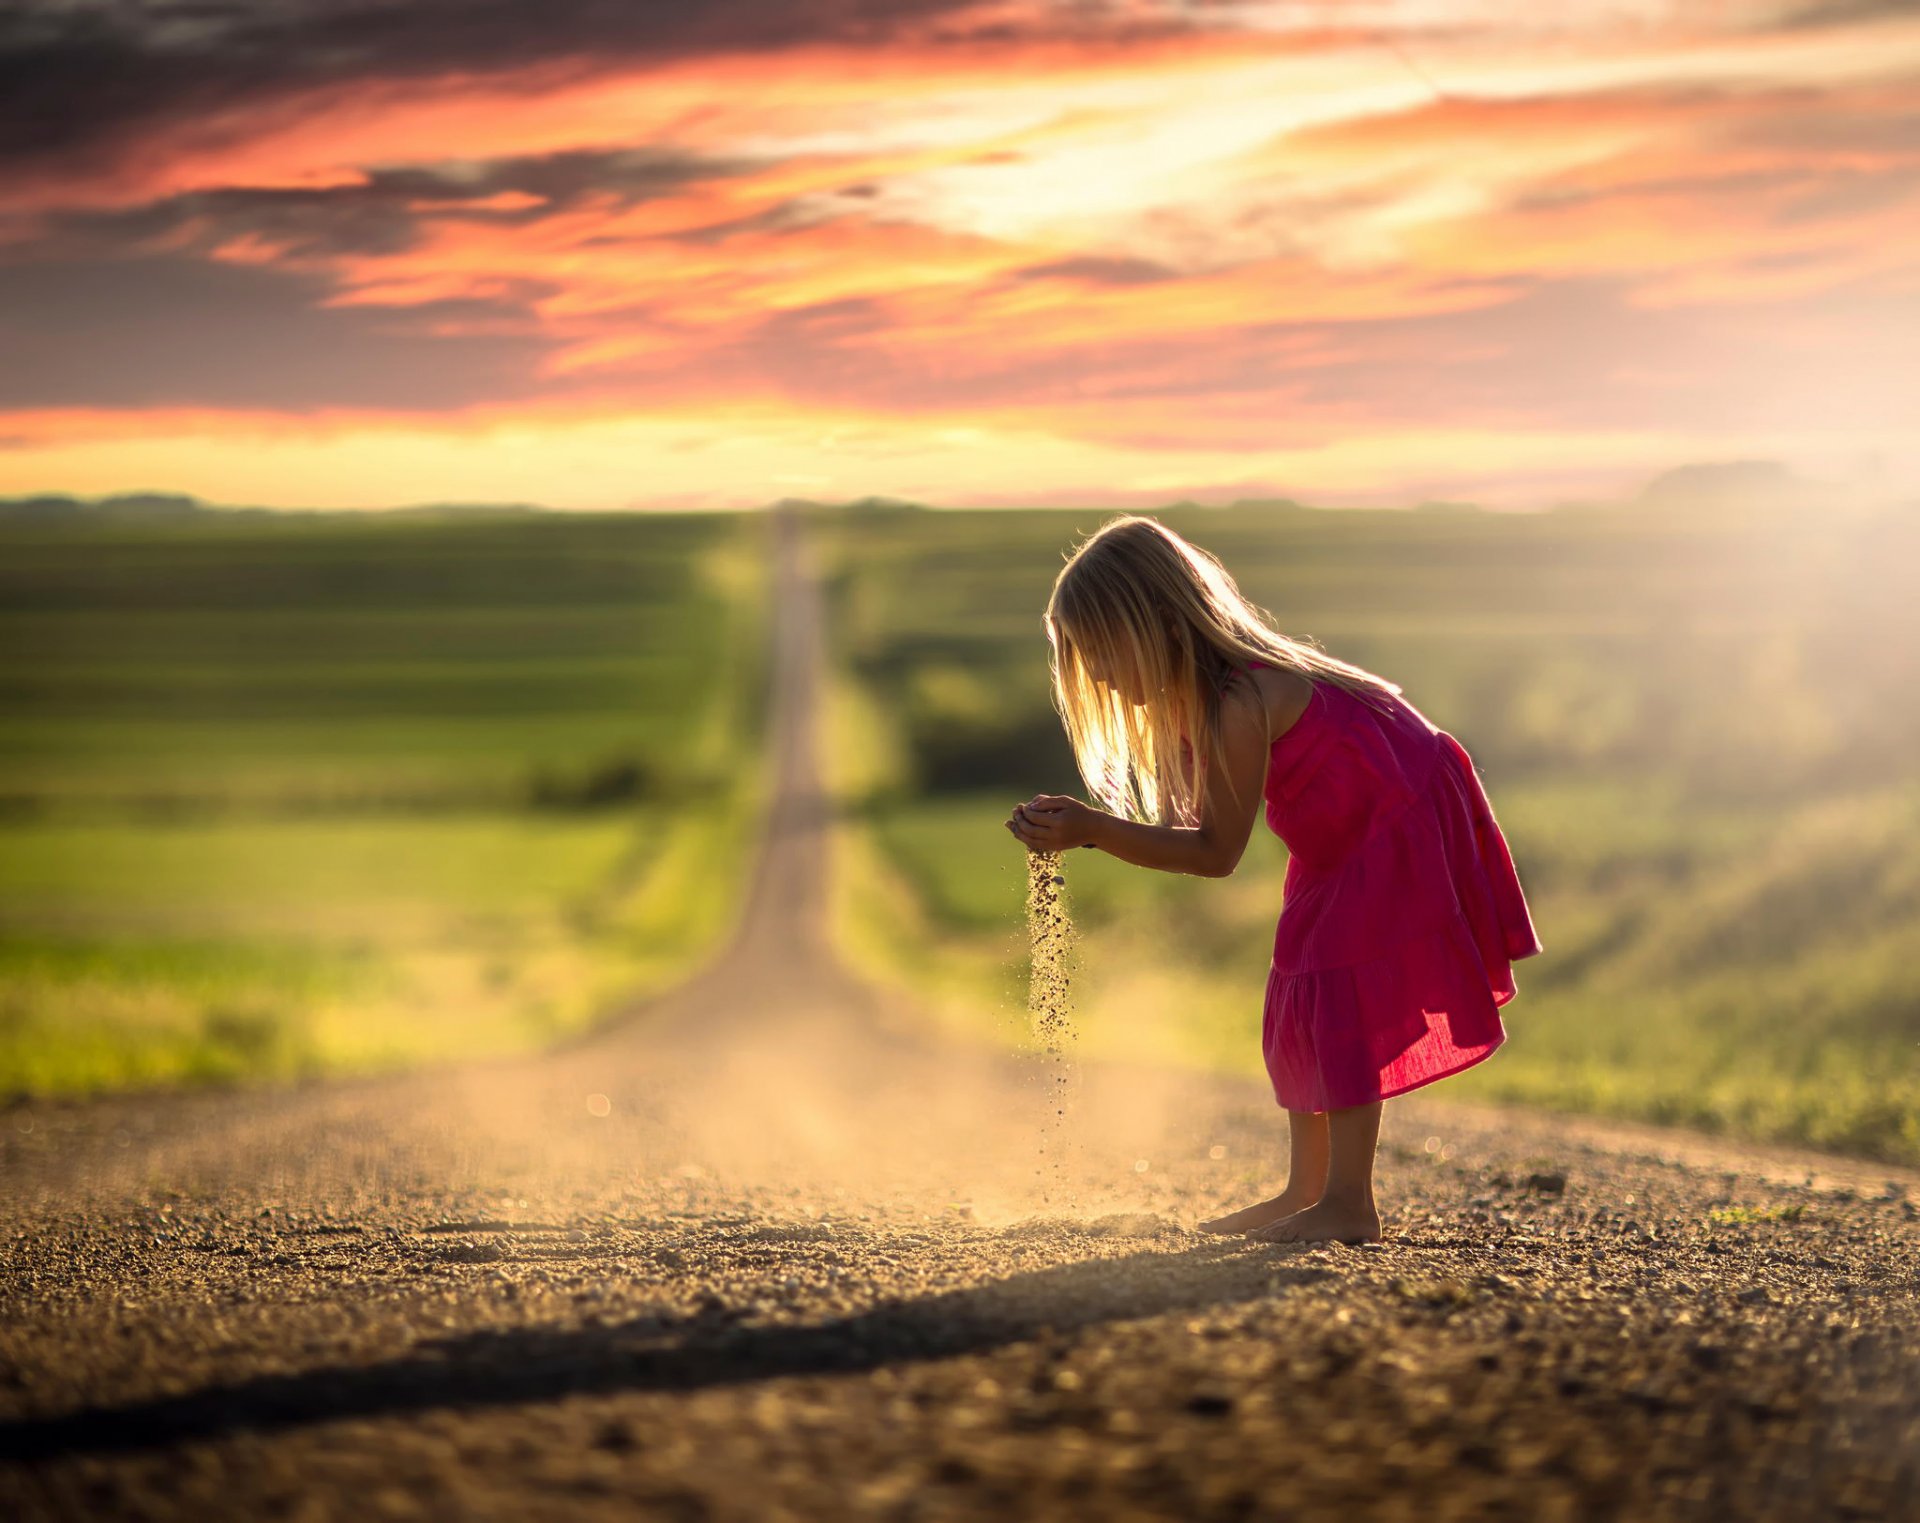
<point x="1049" y="945"/>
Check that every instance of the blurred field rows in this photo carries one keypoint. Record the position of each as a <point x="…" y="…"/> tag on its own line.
<point x="1697" y="723"/>
<point x="284" y="794"/>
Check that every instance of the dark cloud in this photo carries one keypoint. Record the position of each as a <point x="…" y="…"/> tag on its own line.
<point x="1571" y="353"/>
<point x="826" y="355"/>
<point x="182" y="332"/>
<point x="380" y="216"/>
<point x="1840" y="13"/>
<point x="1841" y="195"/>
<point x="784" y="217"/>
<point x="1798" y="125"/>
<point x="79" y="80"/>
<point x="1099" y="270"/>
<point x="1813" y="121"/>
<point x="1576" y="352"/>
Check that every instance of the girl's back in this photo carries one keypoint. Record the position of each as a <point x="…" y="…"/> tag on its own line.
<point x="1343" y="764"/>
<point x="1402" y="912"/>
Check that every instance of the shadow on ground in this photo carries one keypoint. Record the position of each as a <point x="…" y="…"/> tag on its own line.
<point x="712" y="1346"/>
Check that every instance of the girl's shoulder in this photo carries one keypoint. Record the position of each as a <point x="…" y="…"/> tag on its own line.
<point x="1282" y="694"/>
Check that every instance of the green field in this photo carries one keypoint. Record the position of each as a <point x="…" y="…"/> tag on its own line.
<point x="1696" y="722"/>
<point x="295" y="793"/>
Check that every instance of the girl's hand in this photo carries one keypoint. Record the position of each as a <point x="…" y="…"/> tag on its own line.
<point x="1051" y="822"/>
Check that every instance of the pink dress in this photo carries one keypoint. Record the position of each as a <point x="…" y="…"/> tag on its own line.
<point x="1401" y="911"/>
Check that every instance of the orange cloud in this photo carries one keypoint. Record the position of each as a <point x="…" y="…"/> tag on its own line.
<point x="1218" y="239"/>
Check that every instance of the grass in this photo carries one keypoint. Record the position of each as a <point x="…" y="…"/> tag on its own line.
<point x="1685" y="722"/>
<point x="285" y="795"/>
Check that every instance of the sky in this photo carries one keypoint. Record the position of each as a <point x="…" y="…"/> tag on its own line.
<point x="645" y="253"/>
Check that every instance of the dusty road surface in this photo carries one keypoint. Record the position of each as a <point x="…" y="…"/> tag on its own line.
<point x="763" y="1251"/>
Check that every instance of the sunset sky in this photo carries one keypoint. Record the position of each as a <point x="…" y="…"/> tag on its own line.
<point x="345" y="253"/>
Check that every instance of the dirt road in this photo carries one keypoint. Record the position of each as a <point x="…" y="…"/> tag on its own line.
<point x="764" y="1251"/>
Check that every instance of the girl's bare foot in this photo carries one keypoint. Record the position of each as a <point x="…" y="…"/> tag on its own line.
<point x="1328" y="1221"/>
<point x="1286" y="1203"/>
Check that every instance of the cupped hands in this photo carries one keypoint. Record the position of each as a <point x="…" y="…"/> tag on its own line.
<point x="1054" y="822"/>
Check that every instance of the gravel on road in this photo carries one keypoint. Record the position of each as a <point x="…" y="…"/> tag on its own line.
<point x="821" y="1279"/>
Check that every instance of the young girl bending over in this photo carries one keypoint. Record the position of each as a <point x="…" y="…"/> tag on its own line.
<point x="1401" y="913"/>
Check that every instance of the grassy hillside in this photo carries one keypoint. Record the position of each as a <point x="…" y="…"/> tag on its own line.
<point x="1695" y="722"/>
<point x="294" y="793"/>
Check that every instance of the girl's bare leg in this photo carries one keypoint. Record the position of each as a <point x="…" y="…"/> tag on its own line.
<point x="1345" y="1212"/>
<point x="1306" y="1177"/>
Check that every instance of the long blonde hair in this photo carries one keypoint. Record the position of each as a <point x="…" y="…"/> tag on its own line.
<point x="1136" y="598"/>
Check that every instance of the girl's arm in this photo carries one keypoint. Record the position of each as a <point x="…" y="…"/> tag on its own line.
<point x="1211" y="849"/>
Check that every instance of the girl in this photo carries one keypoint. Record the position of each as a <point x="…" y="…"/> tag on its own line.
<point x="1401" y="912"/>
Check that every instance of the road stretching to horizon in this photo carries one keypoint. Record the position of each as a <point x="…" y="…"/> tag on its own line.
<point x="767" y="1248"/>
